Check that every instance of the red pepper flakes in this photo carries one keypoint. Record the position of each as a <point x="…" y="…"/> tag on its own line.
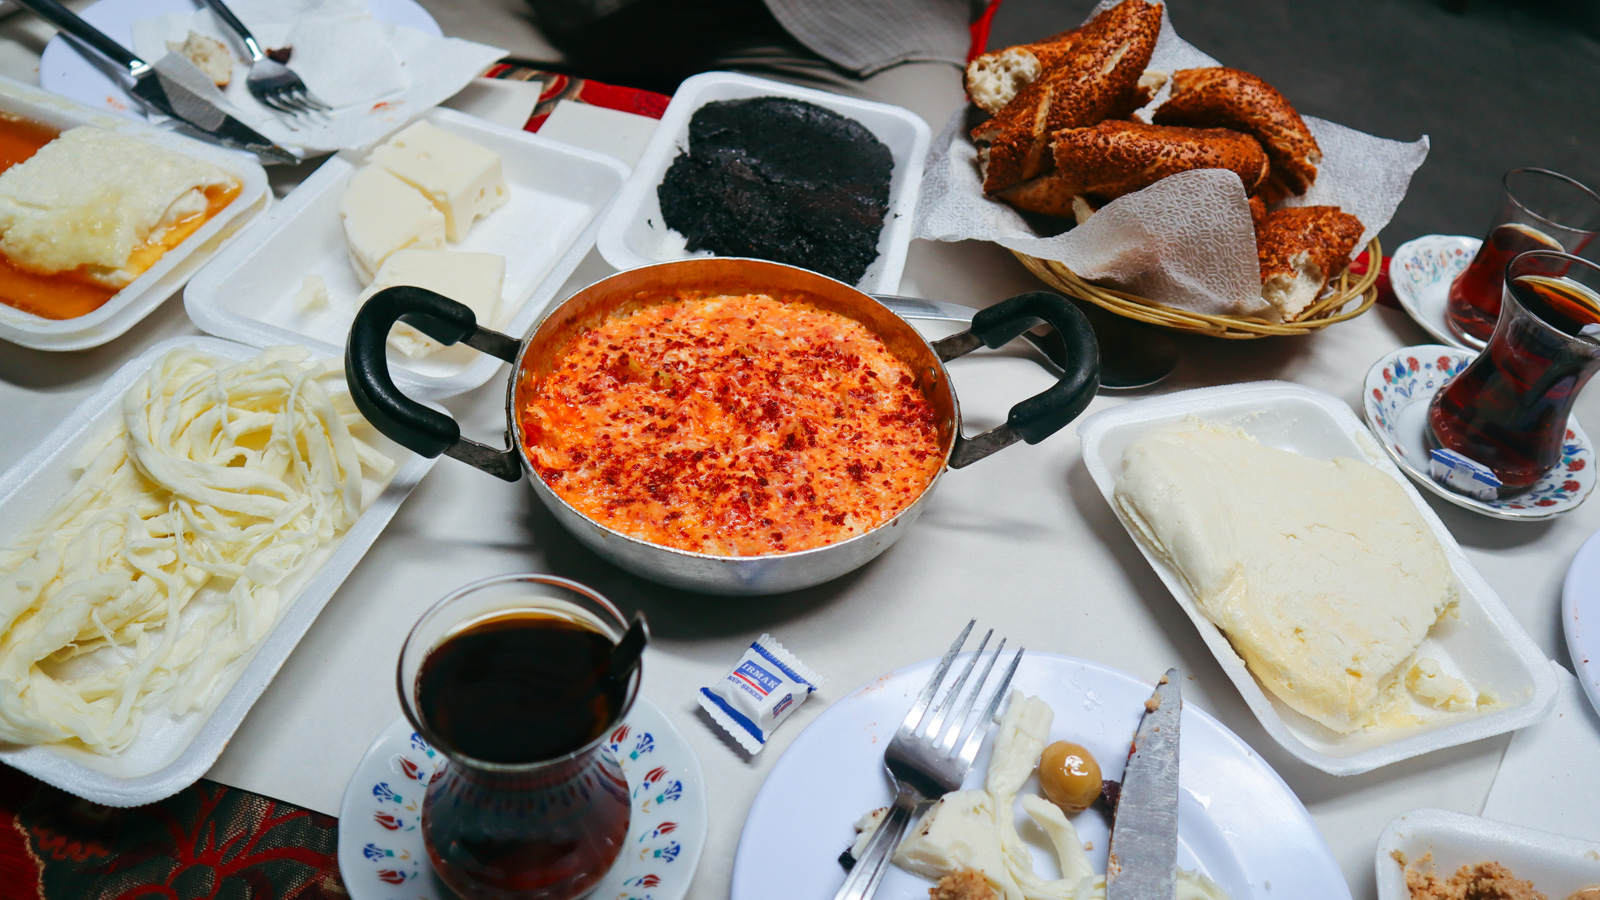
<point x="731" y="424"/>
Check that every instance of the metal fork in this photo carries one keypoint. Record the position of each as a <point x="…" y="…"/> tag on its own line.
<point x="273" y="83"/>
<point x="929" y="756"/>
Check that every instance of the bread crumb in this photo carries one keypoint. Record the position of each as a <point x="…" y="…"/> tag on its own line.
<point x="1484" y="881"/>
<point x="208" y="54"/>
<point x="963" y="884"/>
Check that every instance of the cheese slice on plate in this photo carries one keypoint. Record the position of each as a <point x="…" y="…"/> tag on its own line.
<point x="463" y="179"/>
<point x="471" y="278"/>
<point x="383" y="214"/>
<point x="99" y="200"/>
<point x="1323" y="574"/>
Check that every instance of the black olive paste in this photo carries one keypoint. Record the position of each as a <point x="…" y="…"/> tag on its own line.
<point x="780" y="179"/>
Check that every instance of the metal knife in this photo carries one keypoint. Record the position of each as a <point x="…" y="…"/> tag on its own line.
<point x="1143" y="862"/>
<point x="162" y="92"/>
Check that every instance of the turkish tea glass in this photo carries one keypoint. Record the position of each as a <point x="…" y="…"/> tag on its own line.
<point x="1540" y="210"/>
<point x="1508" y="409"/>
<point x="530" y="829"/>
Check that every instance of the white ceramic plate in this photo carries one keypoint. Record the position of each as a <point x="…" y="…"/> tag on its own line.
<point x="172" y="752"/>
<point x="1395" y="400"/>
<point x="558" y="193"/>
<point x="1580" y="617"/>
<point x="1485" y="644"/>
<point x="1421" y="270"/>
<point x="65" y="70"/>
<point x="131" y="304"/>
<point x="1237" y="821"/>
<point x="1557" y="865"/>
<point x="382" y="856"/>
<point x="635" y="235"/>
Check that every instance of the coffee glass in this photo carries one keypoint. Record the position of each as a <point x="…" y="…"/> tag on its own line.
<point x="1507" y="410"/>
<point x="1540" y="210"/>
<point x="499" y="826"/>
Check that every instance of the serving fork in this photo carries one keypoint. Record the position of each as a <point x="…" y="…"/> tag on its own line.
<point x="269" y="81"/>
<point x="930" y="755"/>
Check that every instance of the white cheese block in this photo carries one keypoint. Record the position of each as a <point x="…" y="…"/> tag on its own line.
<point x="91" y="197"/>
<point x="1323" y="574"/>
<point x="383" y="214"/>
<point x="471" y="278"/>
<point x="462" y="179"/>
<point x="958" y="832"/>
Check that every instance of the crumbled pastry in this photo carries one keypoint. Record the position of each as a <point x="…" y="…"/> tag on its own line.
<point x="208" y="54"/>
<point x="994" y="78"/>
<point x="1432" y="686"/>
<point x="1484" y="881"/>
<point x="1323" y="574"/>
<point x="962" y="884"/>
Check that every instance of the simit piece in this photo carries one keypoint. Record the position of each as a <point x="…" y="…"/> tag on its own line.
<point x="1219" y="97"/>
<point x="780" y="179"/>
<point x="1299" y="250"/>
<point x="1103" y="162"/>
<point x="995" y="78"/>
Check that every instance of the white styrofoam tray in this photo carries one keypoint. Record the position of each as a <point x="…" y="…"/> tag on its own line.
<point x="160" y="281"/>
<point x="1484" y="645"/>
<point x="172" y="752"/>
<point x="1557" y="865"/>
<point x="558" y="193"/>
<point x="635" y="235"/>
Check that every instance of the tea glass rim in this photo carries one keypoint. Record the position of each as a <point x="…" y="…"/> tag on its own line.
<point x="1506" y="296"/>
<point x="419" y="722"/>
<point x="1505" y="185"/>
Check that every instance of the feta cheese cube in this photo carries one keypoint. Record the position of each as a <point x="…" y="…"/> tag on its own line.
<point x="462" y="179"/>
<point x="383" y="214"/>
<point x="471" y="278"/>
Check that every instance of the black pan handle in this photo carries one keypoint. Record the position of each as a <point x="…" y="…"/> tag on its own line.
<point x="402" y="419"/>
<point x="1042" y="415"/>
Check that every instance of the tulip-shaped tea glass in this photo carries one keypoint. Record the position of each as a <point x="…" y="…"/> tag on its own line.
<point x="1540" y="210"/>
<point x="1508" y="409"/>
<point x="510" y="680"/>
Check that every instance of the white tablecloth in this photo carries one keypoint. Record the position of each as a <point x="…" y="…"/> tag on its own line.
<point x="1021" y="540"/>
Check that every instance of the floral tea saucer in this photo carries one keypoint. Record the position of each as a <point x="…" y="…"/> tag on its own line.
<point x="1395" y="401"/>
<point x="1421" y="272"/>
<point x="381" y="854"/>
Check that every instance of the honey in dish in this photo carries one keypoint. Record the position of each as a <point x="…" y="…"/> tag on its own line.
<point x="67" y="295"/>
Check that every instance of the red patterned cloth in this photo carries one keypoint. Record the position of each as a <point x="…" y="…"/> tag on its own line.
<point x="558" y="87"/>
<point x="206" y="842"/>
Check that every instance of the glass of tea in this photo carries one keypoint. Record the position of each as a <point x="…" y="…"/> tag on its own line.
<point x="513" y="680"/>
<point x="1507" y="410"/>
<point x="1540" y="210"/>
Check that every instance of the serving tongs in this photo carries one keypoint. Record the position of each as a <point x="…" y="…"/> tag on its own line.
<point x="164" y="89"/>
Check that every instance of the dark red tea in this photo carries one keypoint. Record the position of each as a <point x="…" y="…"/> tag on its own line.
<point x="525" y="690"/>
<point x="1474" y="304"/>
<point x="1508" y="410"/>
<point x="519" y="688"/>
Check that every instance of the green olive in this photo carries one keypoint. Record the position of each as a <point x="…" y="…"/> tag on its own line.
<point x="1069" y="776"/>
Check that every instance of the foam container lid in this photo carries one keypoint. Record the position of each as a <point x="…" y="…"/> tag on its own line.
<point x="634" y="234"/>
<point x="558" y="195"/>
<point x="175" y="267"/>
<point x="172" y="752"/>
<point x="1557" y="865"/>
<point x="1485" y="645"/>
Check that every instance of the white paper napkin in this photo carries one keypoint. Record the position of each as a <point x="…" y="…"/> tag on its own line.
<point x="377" y="76"/>
<point x="1187" y="240"/>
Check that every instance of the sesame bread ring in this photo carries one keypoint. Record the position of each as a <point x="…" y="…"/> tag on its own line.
<point x="1228" y="98"/>
<point x="1300" y="249"/>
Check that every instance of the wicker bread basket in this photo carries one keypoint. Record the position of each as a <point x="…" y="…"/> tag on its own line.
<point x="1351" y="296"/>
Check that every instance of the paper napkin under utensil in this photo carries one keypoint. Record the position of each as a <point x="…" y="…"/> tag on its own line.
<point x="376" y="75"/>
